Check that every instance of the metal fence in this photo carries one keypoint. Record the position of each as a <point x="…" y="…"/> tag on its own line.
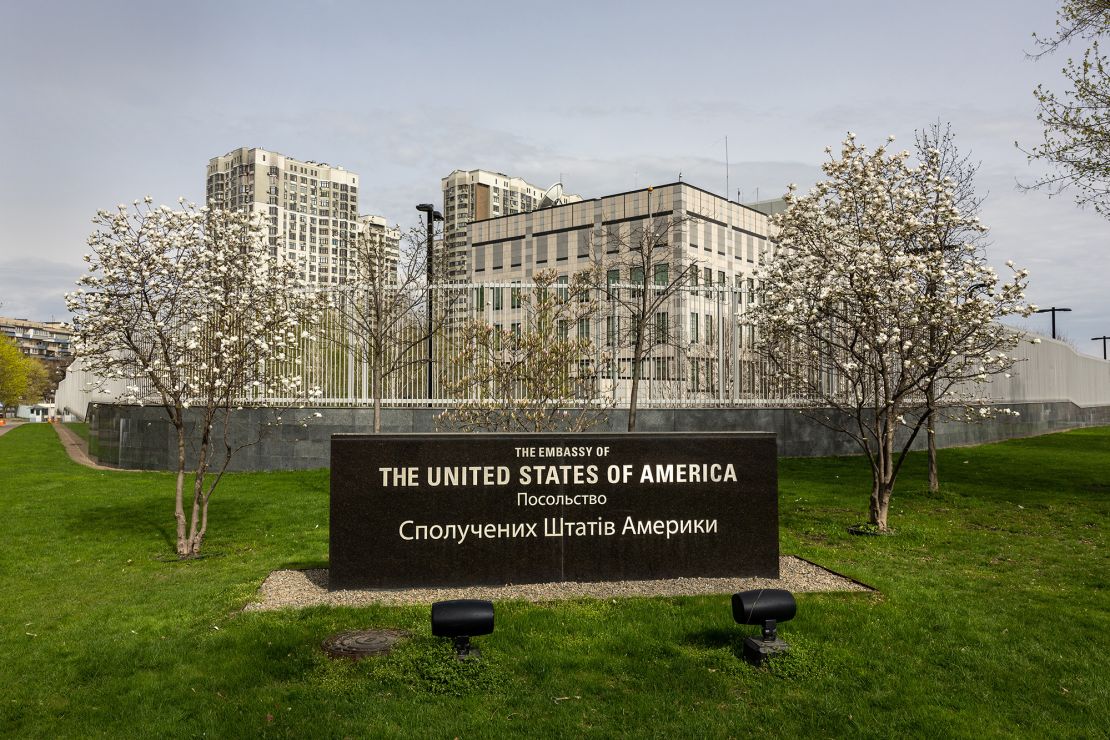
<point x="698" y="347"/>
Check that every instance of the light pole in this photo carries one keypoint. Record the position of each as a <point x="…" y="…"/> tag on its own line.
<point x="1052" y="311"/>
<point x="1095" y="339"/>
<point x="433" y="216"/>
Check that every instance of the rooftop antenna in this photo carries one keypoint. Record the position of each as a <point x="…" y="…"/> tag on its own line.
<point x="727" y="188"/>
<point x="680" y="175"/>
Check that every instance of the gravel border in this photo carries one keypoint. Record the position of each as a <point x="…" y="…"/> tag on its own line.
<point x="296" y="589"/>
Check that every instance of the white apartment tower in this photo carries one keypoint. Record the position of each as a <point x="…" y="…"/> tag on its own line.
<point x="311" y="208"/>
<point x="474" y="195"/>
<point x="380" y="239"/>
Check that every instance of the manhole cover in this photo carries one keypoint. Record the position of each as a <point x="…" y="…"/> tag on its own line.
<point x="357" y="644"/>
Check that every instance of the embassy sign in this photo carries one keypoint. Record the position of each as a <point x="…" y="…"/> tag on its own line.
<point x="415" y="510"/>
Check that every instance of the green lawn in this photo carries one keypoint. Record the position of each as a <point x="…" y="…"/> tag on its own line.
<point x="992" y="617"/>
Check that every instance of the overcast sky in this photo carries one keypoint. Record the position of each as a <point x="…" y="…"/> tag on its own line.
<point x="105" y="102"/>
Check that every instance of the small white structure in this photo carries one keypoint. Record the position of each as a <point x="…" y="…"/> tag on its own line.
<point x="37" y="412"/>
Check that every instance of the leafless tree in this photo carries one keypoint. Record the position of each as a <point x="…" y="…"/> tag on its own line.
<point x="382" y="308"/>
<point x="539" y="374"/>
<point x="639" y="268"/>
<point x="956" y="171"/>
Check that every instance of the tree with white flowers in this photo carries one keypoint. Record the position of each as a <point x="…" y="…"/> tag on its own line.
<point x="867" y="304"/>
<point x="188" y="308"/>
<point x="1076" y="139"/>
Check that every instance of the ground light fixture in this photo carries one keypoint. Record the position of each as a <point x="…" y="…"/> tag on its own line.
<point x="460" y="620"/>
<point x="765" y="607"/>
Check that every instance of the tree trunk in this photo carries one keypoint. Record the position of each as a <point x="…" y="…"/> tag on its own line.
<point x="198" y="522"/>
<point x="880" y="504"/>
<point x="882" y="484"/>
<point x="931" y="433"/>
<point x="637" y="348"/>
<point x="179" y="498"/>
<point x="376" y="392"/>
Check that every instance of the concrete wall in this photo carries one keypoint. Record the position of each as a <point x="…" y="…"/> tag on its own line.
<point x="142" y="438"/>
<point x="1052" y="371"/>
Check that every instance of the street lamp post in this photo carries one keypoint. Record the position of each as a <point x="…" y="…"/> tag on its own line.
<point x="433" y="216"/>
<point x="1095" y="339"/>
<point x="1053" y="311"/>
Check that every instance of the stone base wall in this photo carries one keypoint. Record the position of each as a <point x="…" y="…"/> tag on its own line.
<point x="142" y="438"/>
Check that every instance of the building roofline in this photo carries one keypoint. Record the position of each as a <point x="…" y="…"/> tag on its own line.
<point x="626" y="192"/>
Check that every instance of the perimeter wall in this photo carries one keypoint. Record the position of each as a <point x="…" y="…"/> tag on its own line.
<point x="1053" y="388"/>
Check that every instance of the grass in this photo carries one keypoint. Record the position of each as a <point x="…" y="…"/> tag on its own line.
<point x="80" y="428"/>
<point x="992" y="618"/>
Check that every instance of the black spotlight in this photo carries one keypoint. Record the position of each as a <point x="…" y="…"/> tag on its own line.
<point x="766" y="607"/>
<point x="462" y="619"/>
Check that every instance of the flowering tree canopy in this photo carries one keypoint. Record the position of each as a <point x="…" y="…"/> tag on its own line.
<point x="187" y="307"/>
<point x="1076" y="140"/>
<point x="868" y="303"/>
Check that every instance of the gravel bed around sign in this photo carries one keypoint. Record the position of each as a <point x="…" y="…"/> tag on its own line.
<point x="295" y="589"/>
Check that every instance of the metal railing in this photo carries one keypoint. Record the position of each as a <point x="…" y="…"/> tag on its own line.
<point x="698" y="350"/>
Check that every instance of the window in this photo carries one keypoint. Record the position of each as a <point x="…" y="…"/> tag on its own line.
<point x="498" y="298"/>
<point x="661" y="327"/>
<point x="662" y="273"/>
<point x="610" y="330"/>
<point x="514" y="297"/>
<point x="583" y="328"/>
<point x="636" y="277"/>
<point x="612" y="277"/>
<point x="561" y="290"/>
<point x="564" y="328"/>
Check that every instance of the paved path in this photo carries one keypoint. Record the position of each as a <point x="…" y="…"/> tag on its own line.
<point x="10" y="425"/>
<point x="77" y="449"/>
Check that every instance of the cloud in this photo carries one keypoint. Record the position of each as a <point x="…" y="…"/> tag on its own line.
<point x="35" y="288"/>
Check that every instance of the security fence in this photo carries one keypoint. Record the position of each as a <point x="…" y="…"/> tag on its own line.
<point x="697" y="352"/>
<point x="697" y="346"/>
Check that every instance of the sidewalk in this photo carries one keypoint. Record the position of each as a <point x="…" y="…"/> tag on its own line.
<point x="78" y="452"/>
<point x="10" y="424"/>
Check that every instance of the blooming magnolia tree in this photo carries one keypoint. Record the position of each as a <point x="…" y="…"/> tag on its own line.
<point x="868" y="305"/>
<point x="187" y="307"/>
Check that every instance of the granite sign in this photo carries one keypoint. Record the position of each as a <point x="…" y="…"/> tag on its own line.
<point x="411" y="510"/>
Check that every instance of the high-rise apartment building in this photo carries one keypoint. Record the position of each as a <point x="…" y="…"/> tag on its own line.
<point x="474" y="195"/>
<point x="380" y="241"/>
<point x="311" y="208"/>
<point x="50" y="342"/>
